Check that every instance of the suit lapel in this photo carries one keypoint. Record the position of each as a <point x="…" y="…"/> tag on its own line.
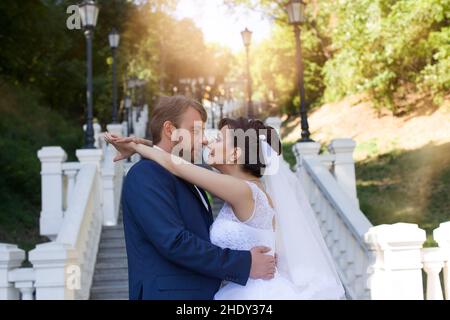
<point x="206" y="212"/>
<point x="210" y="213"/>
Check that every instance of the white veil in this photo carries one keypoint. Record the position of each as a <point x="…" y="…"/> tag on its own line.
<point x="303" y="256"/>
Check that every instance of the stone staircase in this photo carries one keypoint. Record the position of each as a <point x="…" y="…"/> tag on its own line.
<point x="111" y="269"/>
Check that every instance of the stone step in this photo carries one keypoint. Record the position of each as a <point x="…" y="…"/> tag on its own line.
<point x="110" y="296"/>
<point x="120" y="261"/>
<point x="113" y="275"/>
<point x="112" y="254"/>
<point x="111" y="264"/>
<point x="110" y="291"/>
<point x="104" y="251"/>
<point x="109" y="283"/>
<point x="112" y="234"/>
<point x="118" y="226"/>
<point x="112" y="244"/>
<point x="111" y="287"/>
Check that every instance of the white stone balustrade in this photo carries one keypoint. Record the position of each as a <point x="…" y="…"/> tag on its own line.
<point x="11" y="257"/>
<point x="124" y="129"/>
<point x="64" y="268"/>
<point x="112" y="176"/>
<point x="97" y="132"/>
<point x="382" y="262"/>
<point x="442" y="237"/>
<point x="70" y="171"/>
<point x="344" y="166"/>
<point x="23" y="279"/>
<point x="52" y="159"/>
<point x="397" y="269"/>
<point x="433" y="261"/>
<point x="342" y="224"/>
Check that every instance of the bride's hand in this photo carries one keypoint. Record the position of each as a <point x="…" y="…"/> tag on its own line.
<point x="136" y="140"/>
<point x="125" y="148"/>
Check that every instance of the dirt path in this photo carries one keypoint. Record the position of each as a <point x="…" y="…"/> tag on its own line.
<point x="375" y="134"/>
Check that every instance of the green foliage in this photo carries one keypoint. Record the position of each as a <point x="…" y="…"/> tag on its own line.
<point x="288" y="154"/>
<point x="26" y="126"/>
<point x="387" y="48"/>
<point x="380" y="46"/>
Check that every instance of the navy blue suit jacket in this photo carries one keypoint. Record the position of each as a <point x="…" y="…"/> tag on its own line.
<point x="170" y="255"/>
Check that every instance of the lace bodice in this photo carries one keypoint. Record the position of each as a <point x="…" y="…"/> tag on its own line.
<point x="228" y="231"/>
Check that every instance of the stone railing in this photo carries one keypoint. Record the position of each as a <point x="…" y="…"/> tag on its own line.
<point x="63" y="268"/>
<point x="77" y="199"/>
<point x="381" y="262"/>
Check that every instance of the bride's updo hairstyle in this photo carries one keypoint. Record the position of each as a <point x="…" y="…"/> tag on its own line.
<point x="247" y="134"/>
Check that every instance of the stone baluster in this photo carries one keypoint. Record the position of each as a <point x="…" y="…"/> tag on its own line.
<point x="442" y="236"/>
<point x="343" y="245"/>
<point x="396" y="272"/>
<point x="344" y="166"/>
<point x="352" y="250"/>
<point x="97" y="132"/>
<point x="23" y="279"/>
<point x="329" y="238"/>
<point x="70" y="171"/>
<point x="52" y="159"/>
<point x="57" y="271"/>
<point x="433" y="261"/>
<point x="124" y="129"/>
<point x="305" y="150"/>
<point x="336" y="235"/>
<point x="11" y="257"/>
<point x="110" y="203"/>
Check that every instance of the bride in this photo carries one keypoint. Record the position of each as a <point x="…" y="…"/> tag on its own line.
<point x="265" y="205"/>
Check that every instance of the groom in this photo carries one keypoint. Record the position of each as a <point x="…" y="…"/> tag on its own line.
<point x="167" y="221"/>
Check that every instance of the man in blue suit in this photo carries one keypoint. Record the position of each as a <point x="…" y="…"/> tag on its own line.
<point x="167" y="221"/>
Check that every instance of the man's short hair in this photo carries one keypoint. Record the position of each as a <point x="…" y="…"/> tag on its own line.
<point x="172" y="109"/>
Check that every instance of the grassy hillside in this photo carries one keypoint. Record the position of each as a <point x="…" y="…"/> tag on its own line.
<point x="402" y="163"/>
<point x="25" y="127"/>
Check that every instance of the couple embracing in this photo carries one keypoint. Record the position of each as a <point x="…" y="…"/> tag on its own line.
<point x="264" y="243"/>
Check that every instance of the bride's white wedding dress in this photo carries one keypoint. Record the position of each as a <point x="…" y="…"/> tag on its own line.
<point x="229" y="232"/>
<point x="305" y="268"/>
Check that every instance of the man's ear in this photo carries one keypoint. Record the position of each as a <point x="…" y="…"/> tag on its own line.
<point x="168" y="128"/>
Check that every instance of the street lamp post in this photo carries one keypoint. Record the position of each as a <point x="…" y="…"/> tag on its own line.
<point x="89" y="14"/>
<point x="247" y="38"/>
<point x="296" y="16"/>
<point x="200" y="82"/>
<point x="128" y="104"/>
<point x="114" y="39"/>
<point x="212" y="115"/>
<point x="221" y="104"/>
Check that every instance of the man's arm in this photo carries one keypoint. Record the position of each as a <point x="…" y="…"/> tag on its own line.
<point x="157" y="213"/>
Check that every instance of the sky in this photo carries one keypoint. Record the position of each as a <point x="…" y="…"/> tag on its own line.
<point x="221" y="26"/>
